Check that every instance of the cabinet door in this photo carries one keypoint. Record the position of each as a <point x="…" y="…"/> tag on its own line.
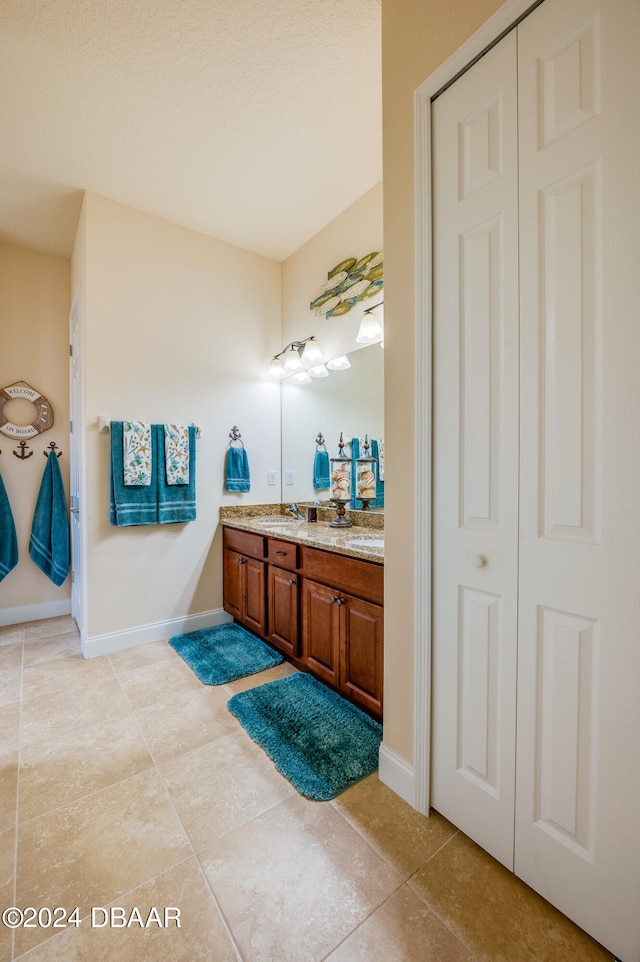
<point x="320" y="630"/>
<point x="255" y="595"/>
<point x="283" y="610"/>
<point x="361" y="652"/>
<point x="233" y="583"/>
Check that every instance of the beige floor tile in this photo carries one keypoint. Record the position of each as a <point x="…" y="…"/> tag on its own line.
<point x="11" y="635"/>
<point x="403" y="929"/>
<point x="180" y="722"/>
<point x="78" y="762"/>
<point x="9" y="730"/>
<point x="10" y="657"/>
<point x="74" y="672"/>
<point x="8" y="790"/>
<point x="222" y="785"/>
<point x="10" y="688"/>
<point x="202" y="933"/>
<point x="295" y="881"/>
<point x="260" y="678"/>
<point x="49" y="648"/>
<point x="7" y="852"/>
<point x="60" y="625"/>
<point x="138" y="657"/>
<point x="401" y="835"/>
<point x="52" y="714"/>
<point x="149" y="683"/>
<point x="496" y="915"/>
<point x="94" y="849"/>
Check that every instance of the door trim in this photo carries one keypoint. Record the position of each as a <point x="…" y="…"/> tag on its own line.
<point x="502" y="20"/>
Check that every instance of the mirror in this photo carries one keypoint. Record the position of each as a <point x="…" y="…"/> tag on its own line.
<point x="350" y="401"/>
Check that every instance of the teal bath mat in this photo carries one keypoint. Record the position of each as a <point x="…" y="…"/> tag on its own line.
<point x="224" y="653"/>
<point x="319" y="741"/>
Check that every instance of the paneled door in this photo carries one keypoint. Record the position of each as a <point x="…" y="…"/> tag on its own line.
<point x="475" y="478"/>
<point x="536" y="554"/>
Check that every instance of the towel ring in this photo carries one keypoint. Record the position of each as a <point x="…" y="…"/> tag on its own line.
<point x="320" y="442"/>
<point x="235" y="435"/>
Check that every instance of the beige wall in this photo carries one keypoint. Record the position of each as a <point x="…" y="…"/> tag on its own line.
<point x="177" y="327"/>
<point x="417" y="37"/>
<point x="34" y="337"/>
<point x="354" y="233"/>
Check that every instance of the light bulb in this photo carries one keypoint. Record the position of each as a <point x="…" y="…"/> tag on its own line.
<point x="339" y="363"/>
<point x="370" y="329"/>
<point x="320" y="370"/>
<point x="292" y="362"/>
<point x="275" y="369"/>
<point x="312" y="353"/>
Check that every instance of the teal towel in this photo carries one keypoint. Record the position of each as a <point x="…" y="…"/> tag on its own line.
<point x="176" y="502"/>
<point x="237" y="477"/>
<point x="49" y="544"/>
<point x="131" y="505"/>
<point x="8" y="540"/>
<point x="321" y="470"/>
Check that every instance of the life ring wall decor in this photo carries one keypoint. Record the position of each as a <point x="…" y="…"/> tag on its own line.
<point x="44" y="412"/>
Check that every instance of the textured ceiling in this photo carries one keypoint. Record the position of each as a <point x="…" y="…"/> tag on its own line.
<point x="254" y="121"/>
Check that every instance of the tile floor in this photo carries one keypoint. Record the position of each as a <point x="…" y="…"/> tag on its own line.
<point x="126" y="784"/>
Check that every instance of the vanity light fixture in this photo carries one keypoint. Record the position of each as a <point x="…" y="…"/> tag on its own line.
<point x="370" y="329"/>
<point x="339" y="363"/>
<point x="295" y="357"/>
<point x="302" y="377"/>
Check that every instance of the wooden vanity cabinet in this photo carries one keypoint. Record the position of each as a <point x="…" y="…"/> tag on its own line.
<point x="244" y="579"/>
<point x="322" y="610"/>
<point x="283" y="596"/>
<point x="343" y="625"/>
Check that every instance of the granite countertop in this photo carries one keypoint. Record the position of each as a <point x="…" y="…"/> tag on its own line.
<point x="360" y="541"/>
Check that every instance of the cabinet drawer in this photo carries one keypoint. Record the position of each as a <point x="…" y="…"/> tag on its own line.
<point x="362" y="578"/>
<point x="245" y="542"/>
<point x="285" y="554"/>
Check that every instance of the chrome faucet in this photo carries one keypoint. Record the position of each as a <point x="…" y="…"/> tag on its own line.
<point x="295" y="511"/>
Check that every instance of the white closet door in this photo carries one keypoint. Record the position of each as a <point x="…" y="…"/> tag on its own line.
<point x="475" y="483"/>
<point x="578" y="751"/>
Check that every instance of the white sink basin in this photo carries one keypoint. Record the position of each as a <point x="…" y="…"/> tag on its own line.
<point x="366" y="542"/>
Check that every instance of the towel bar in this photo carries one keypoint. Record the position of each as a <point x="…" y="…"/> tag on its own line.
<point x="104" y="422"/>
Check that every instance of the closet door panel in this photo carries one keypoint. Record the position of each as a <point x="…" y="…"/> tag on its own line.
<point x="578" y="765"/>
<point x="475" y="421"/>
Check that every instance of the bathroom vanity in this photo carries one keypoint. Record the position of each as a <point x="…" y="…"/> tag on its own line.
<point x="314" y="593"/>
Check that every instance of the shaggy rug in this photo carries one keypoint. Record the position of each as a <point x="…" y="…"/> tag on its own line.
<point x="224" y="653"/>
<point x="319" y="741"/>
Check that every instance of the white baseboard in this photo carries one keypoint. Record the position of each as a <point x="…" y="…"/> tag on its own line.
<point x="158" y="631"/>
<point x="24" y="613"/>
<point x="397" y="774"/>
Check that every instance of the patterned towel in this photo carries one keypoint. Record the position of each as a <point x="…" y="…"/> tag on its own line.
<point x="176" y="453"/>
<point x="136" y="453"/>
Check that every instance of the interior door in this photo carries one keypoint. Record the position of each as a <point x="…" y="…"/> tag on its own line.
<point x="578" y="764"/>
<point x="572" y="535"/>
<point x="475" y="431"/>
<point x="75" y="465"/>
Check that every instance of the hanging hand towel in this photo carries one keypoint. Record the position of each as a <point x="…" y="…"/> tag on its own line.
<point x="176" y="502"/>
<point x="237" y="477"/>
<point x="49" y="544"/>
<point x="176" y="453"/>
<point x="8" y="540"/>
<point x="321" y="470"/>
<point x="136" y="453"/>
<point x="130" y="505"/>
